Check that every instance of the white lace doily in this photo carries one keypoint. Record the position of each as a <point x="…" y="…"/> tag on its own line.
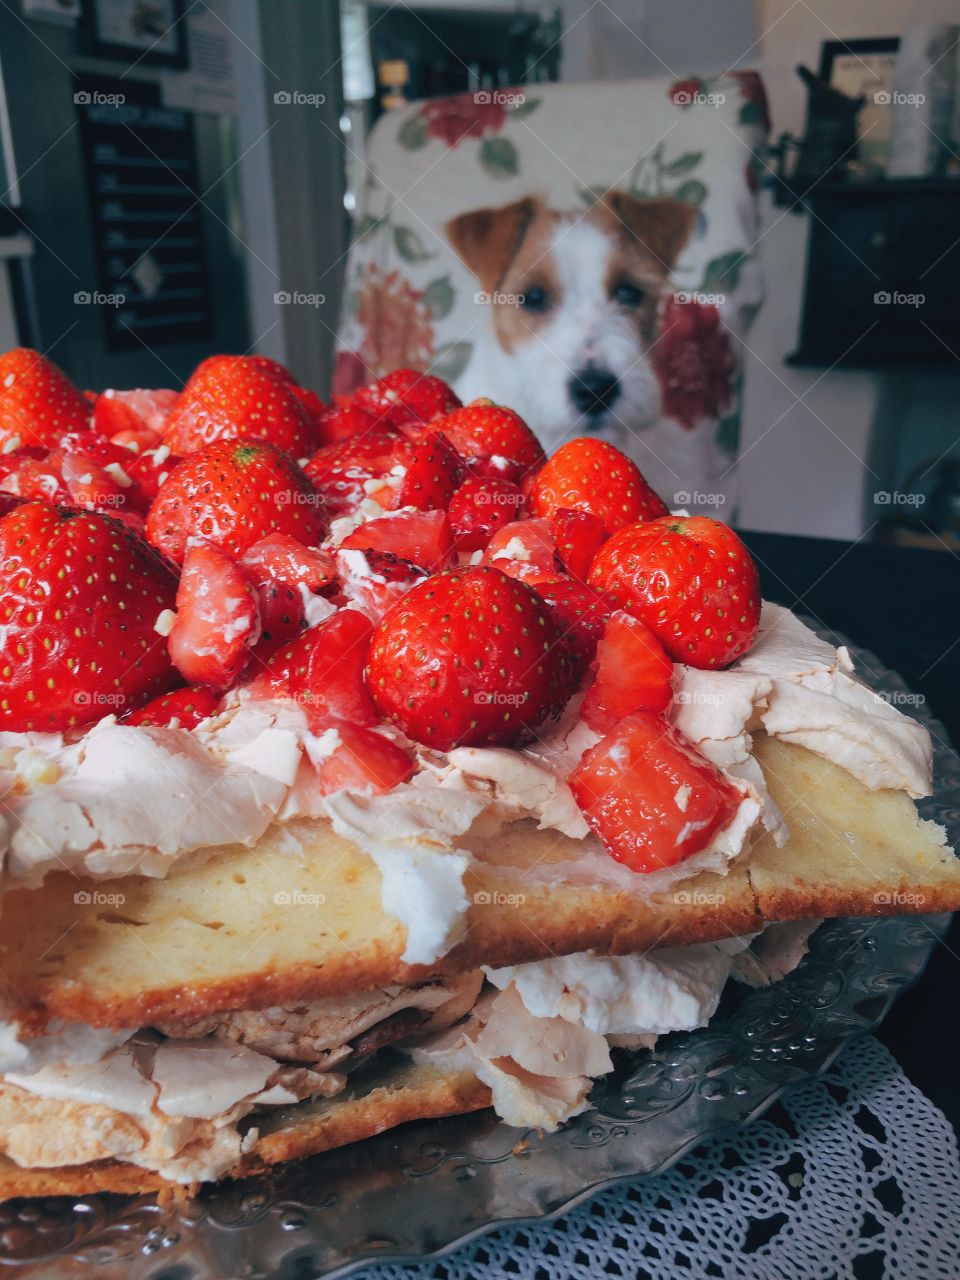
<point x="856" y="1163"/>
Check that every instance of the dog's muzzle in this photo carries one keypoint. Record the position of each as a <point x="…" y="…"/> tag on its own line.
<point x="594" y="391"/>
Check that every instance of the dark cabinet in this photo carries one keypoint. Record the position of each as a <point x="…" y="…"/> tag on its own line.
<point x="882" y="283"/>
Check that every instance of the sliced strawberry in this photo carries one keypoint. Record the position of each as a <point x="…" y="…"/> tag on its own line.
<point x="406" y="396"/>
<point x="649" y="796"/>
<point x="691" y="580"/>
<point x="326" y="671"/>
<point x="88" y="484"/>
<point x="282" y="619"/>
<point x="233" y="398"/>
<point x="633" y="674"/>
<point x="184" y="707"/>
<point x="495" y="442"/>
<point x="468" y="657"/>
<point x="38" y="402"/>
<point x="8" y="502"/>
<point x="592" y="475"/>
<point x="133" y="417"/>
<point x="40" y="481"/>
<point x="479" y="508"/>
<point x="232" y="494"/>
<point x="375" y="580"/>
<point x="364" y="760"/>
<point x="149" y="470"/>
<point x="11" y="462"/>
<point x="81" y="600"/>
<point x="433" y="471"/>
<point x="217" y="619"/>
<point x="580" y="614"/>
<point x="423" y="538"/>
<point x="524" y="550"/>
<point x="287" y="560"/>
<point x="579" y="536"/>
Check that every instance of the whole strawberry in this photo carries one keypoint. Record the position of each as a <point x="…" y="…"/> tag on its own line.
<point x="82" y="595"/>
<point x="38" y="402"/>
<point x="236" y="397"/>
<point x="493" y="440"/>
<point x="232" y="494"/>
<point x="592" y="475"/>
<point x="468" y="657"/>
<point x="691" y="580"/>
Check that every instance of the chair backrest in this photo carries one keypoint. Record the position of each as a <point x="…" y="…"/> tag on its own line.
<point x="409" y="300"/>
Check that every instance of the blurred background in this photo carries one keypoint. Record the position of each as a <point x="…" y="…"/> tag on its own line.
<point x="181" y="177"/>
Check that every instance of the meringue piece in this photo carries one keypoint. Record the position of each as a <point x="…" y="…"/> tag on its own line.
<point x="410" y="834"/>
<point x="524" y="787"/>
<point x="65" y="1043"/>
<point x="848" y="724"/>
<point x="200" y="1079"/>
<point x="113" y="1081"/>
<point x="713" y="708"/>
<point x="677" y="989"/>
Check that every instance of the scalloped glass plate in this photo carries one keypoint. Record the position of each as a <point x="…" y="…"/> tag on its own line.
<point x="425" y="1188"/>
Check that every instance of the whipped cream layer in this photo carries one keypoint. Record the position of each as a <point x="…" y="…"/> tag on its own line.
<point x="122" y="799"/>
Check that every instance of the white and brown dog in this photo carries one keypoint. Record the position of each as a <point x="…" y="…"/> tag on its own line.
<point x="573" y="306"/>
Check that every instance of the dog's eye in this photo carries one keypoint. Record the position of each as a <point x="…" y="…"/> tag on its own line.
<point x="628" y="294"/>
<point x="535" y="299"/>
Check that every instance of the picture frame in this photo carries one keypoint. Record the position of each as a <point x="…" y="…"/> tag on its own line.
<point x="148" y="31"/>
<point x="865" y="67"/>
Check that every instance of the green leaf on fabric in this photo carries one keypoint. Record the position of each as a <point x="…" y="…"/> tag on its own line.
<point x="451" y="360"/>
<point x="499" y="157"/>
<point x="722" y="273"/>
<point x="682" y="164"/>
<point x="410" y="246"/>
<point x="693" y="191"/>
<point x="524" y="108"/>
<point x="727" y="435"/>
<point x="439" y="297"/>
<point x="412" y="134"/>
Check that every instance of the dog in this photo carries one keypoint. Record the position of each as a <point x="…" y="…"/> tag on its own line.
<point x="574" y="300"/>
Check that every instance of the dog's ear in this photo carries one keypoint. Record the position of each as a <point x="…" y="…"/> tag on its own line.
<point x="486" y="240"/>
<point x="661" y="225"/>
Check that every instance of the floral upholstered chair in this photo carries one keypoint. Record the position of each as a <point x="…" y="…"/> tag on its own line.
<point x="410" y="301"/>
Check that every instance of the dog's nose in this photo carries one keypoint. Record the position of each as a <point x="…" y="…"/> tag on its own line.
<point x="594" y="390"/>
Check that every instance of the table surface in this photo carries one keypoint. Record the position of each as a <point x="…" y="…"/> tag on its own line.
<point x="904" y="605"/>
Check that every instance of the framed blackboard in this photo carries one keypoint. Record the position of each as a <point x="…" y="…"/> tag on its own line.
<point x="141" y="173"/>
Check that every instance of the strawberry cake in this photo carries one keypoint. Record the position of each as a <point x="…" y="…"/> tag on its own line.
<point x="361" y="764"/>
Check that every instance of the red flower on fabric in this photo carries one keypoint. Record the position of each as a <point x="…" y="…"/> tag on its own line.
<point x="468" y="115"/>
<point x="683" y="92"/>
<point x="693" y="362"/>
<point x="349" y="373"/>
<point x="752" y="90"/>
<point x="397" y="326"/>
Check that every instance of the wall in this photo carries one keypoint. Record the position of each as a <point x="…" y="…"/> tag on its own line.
<point x="838" y="436"/>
